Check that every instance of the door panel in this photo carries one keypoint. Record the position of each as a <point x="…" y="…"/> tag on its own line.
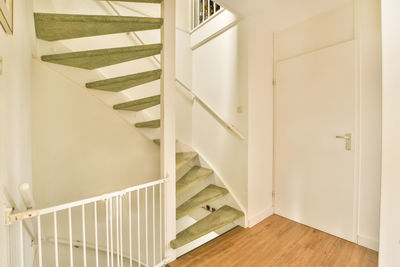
<point x="314" y="173"/>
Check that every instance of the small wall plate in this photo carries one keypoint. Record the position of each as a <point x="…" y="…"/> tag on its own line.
<point x="1" y="65"/>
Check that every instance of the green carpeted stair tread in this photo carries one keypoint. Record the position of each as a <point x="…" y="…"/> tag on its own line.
<point x="148" y="124"/>
<point x="125" y="82"/>
<point x="207" y="195"/>
<point x="54" y="27"/>
<point x="140" y="104"/>
<point x="193" y="176"/>
<point x="208" y="224"/>
<point x="94" y="59"/>
<point x="158" y="141"/>
<point x="183" y="158"/>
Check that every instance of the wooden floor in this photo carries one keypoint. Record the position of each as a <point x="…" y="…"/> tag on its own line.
<point x="278" y="242"/>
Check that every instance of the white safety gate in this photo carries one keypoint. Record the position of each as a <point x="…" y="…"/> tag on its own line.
<point x="124" y="228"/>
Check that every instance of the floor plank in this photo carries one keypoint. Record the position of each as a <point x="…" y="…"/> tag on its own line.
<point x="278" y="241"/>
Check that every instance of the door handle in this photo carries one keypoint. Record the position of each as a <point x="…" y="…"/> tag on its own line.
<point x="347" y="138"/>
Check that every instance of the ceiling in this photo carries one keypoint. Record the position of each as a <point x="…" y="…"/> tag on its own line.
<point x="279" y="14"/>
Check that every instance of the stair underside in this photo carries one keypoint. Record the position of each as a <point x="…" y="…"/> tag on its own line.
<point x="125" y="82"/>
<point x="138" y="1"/>
<point x="210" y="223"/>
<point x="140" y="104"/>
<point x="103" y="57"/>
<point x="193" y="176"/>
<point x="207" y="195"/>
<point x="54" y="27"/>
<point x="183" y="158"/>
<point x="148" y="124"/>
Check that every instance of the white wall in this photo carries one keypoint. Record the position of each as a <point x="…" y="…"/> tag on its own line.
<point x="336" y="26"/>
<point x="15" y="127"/>
<point x="81" y="147"/>
<point x="220" y="79"/>
<point x="183" y="73"/>
<point x="281" y="14"/>
<point x="389" y="250"/>
<point x="260" y="120"/>
<point x="228" y="58"/>
<point x="371" y="122"/>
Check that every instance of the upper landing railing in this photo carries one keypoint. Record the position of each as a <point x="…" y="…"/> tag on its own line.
<point x="202" y="11"/>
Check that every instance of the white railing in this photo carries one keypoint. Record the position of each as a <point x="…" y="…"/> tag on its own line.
<point x="123" y="228"/>
<point x="202" y="11"/>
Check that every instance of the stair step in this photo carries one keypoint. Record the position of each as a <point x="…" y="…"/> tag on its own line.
<point x="207" y="195"/>
<point x="94" y="59"/>
<point x="138" y="1"/>
<point x="183" y="158"/>
<point x="195" y="174"/>
<point x="157" y="141"/>
<point x="140" y="104"/>
<point x="148" y="124"/>
<point x="125" y="82"/>
<point x="208" y="224"/>
<point x="54" y="27"/>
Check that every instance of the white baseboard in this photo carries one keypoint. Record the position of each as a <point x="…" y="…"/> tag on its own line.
<point x="368" y="242"/>
<point x="260" y="217"/>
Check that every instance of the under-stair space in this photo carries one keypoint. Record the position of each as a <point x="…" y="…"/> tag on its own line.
<point x="66" y="30"/>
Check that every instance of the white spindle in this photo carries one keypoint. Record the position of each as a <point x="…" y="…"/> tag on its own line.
<point x="71" y="257"/>
<point x="39" y="241"/>
<point x="21" y="240"/>
<point x="95" y="234"/>
<point x="204" y="9"/>
<point x="147" y="230"/>
<point x="215" y="7"/>
<point x="107" y="236"/>
<point x="117" y="225"/>
<point x="55" y="238"/>
<point x="130" y="228"/>
<point x="84" y="235"/>
<point x="138" y="226"/>
<point x="209" y="9"/>
<point x="154" y="227"/>
<point x="192" y="13"/>
<point x="197" y="13"/>
<point x="111" y="233"/>
<point x="120" y="231"/>
<point x="161" y="245"/>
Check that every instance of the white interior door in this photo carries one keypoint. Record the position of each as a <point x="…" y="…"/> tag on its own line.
<point x="314" y="173"/>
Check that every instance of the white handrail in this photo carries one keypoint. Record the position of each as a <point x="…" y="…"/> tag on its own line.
<point x="35" y="213"/>
<point x="222" y="121"/>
